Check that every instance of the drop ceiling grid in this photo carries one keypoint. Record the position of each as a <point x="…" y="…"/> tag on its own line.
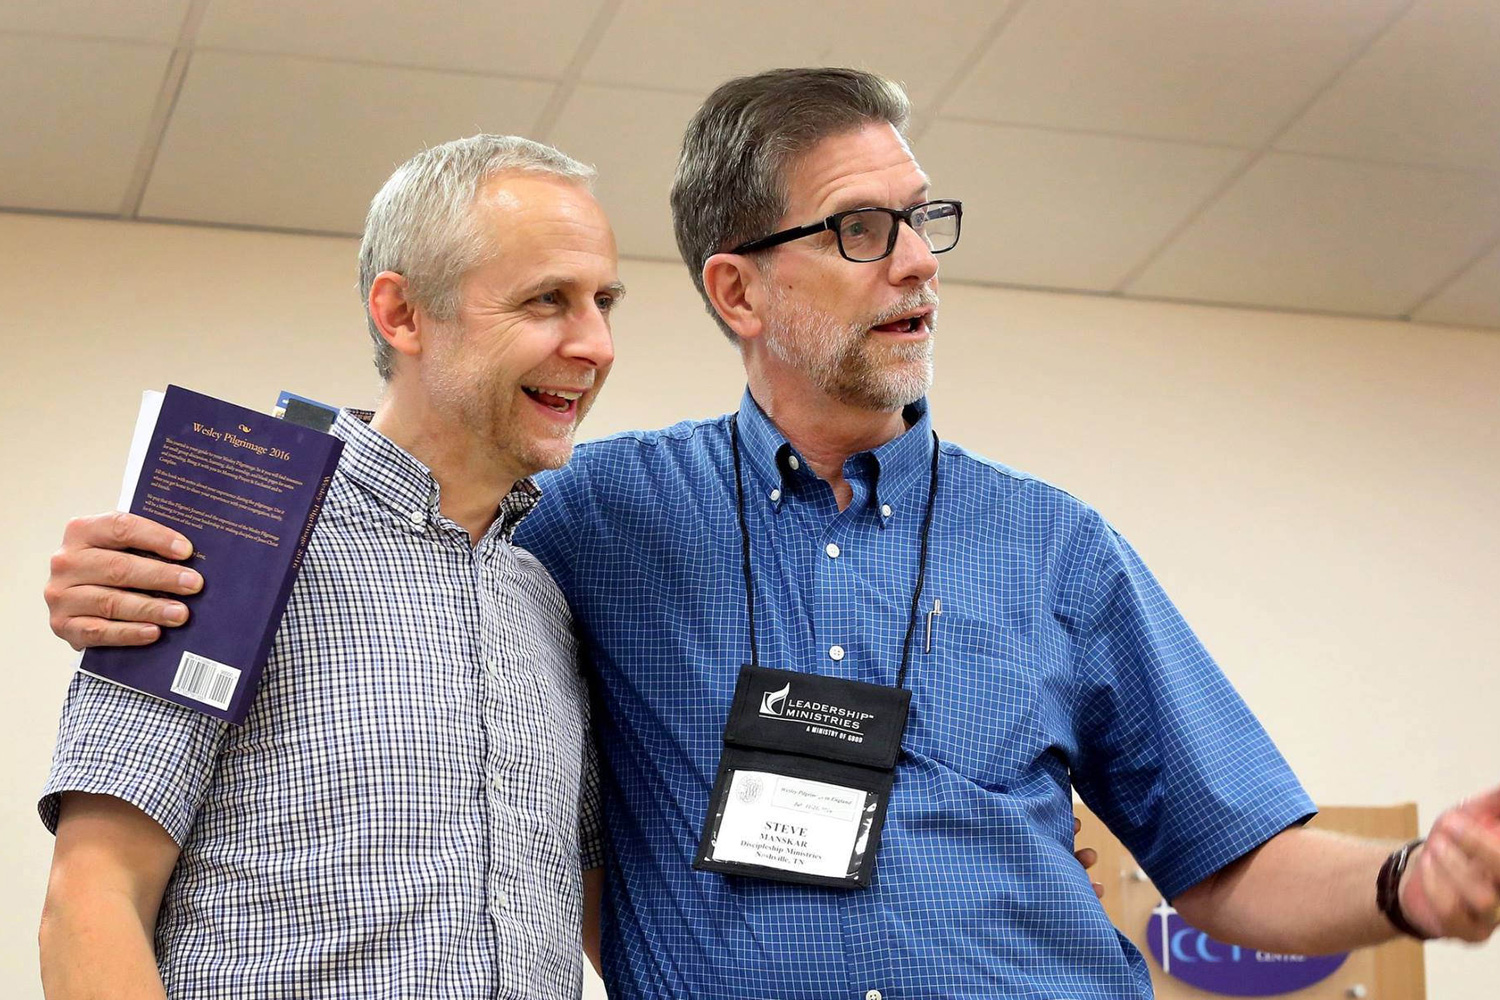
<point x="69" y="139"/>
<point x="1080" y="136"/>
<point x="291" y="143"/>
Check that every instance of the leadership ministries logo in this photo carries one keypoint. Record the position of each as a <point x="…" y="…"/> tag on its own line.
<point x="774" y="702"/>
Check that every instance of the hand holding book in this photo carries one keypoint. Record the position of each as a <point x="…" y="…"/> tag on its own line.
<point x="243" y="491"/>
<point x="106" y="588"/>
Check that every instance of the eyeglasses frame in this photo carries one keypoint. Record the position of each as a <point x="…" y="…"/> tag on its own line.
<point x="831" y="224"/>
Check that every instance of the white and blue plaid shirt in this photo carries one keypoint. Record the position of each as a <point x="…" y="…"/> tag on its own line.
<point x="400" y="814"/>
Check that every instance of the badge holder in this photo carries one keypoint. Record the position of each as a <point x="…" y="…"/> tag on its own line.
<point x="805" y="776"/>
<point x="804" y="780"/>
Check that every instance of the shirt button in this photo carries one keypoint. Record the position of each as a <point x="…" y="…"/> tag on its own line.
<point x="792" y="461"/>
<point x="835" y="653"/>
<point x="775" y="495"/>
<point x="832" y="550"/>
<point x="885" y="510"/>
<point x="417" y="517"/>
<point x="872" y="995"/>
<point x="502" y="901"/>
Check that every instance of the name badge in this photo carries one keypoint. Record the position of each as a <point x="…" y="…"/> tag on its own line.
<point x="804" y="779"/>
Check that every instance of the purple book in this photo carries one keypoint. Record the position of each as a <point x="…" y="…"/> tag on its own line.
<point x="245" y="489"/>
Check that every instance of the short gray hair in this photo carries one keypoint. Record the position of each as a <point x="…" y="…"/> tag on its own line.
<point x="731" y="177"/>
<point x="421" y="224"/>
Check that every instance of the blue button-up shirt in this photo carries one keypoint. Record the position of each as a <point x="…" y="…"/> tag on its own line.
<point x="1057" y="663"/>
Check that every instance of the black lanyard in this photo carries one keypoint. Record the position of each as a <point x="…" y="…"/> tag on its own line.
<point x="916" y="596"/>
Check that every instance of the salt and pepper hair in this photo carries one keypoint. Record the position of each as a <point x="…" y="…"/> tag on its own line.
<point x="731" y="177"/>
<point x="422" y="225"/>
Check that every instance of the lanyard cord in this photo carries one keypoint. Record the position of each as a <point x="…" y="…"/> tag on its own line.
<point x="916" y="596"/>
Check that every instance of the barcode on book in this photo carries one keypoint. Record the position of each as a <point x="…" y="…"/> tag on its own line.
<point x="205" y="680"/>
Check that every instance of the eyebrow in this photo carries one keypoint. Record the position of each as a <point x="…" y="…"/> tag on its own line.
<point x="852" y="204"/>
<point x="615" y="288"/>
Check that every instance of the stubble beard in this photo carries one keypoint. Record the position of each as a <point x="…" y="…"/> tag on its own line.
<point x="495" y="414"/>
<point x="846" y="362"/>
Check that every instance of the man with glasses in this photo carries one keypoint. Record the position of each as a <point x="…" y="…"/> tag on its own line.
<point x="850" y="674"/>
<point x="775" y="601"/>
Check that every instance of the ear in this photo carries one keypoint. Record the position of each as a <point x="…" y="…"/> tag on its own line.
<point x="735" y="287"/>
<point x="394" y="315"/>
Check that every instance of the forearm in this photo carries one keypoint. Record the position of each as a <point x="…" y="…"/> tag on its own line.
<point x="1303" y="892"/>
<point x="95" y="948"/>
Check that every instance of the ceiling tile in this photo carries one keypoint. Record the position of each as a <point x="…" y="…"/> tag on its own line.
<point x="1309" y="233"/>
<point x="293" y="143"/>
<point x="73" y="120"/>
<point x="691" y="46"/>
<point x="1177" y="69"/>
<point x="496" y="38"/>
<point x="1427" y="92"/>
<point x="1473" y="299"/>
<point x="135" y="20"/>
<point x="633" y="137"/>
<point x="1063" y="210"/>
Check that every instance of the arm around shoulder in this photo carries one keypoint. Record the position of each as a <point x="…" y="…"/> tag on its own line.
<point x="110" y="866"/>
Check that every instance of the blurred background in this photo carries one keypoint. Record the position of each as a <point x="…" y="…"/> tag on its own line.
<point x="1230" y="272"/>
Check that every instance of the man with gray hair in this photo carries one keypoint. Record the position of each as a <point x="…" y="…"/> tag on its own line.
<point x="852" y="674"/>
<point x="400" y="815"/>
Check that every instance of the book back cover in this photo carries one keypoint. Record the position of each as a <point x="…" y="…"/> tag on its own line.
<point x="245" y="488"/>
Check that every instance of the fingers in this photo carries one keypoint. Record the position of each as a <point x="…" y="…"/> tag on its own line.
<point x="94" y="594"/>
<point x="1457" y="875"/>
<point x="119" y="605"/>
<point x="1087" y="856"/>
<point x="97" y="566"/>
<point x="120" y="530"/>
<point x="81" y="633"/>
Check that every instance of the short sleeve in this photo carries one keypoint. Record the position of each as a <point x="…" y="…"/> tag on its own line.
<point x="1173" y="761"/>
<point x="157" y="756"/>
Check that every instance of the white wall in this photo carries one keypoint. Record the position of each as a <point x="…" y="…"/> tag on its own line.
<point x="1318" y="494"/>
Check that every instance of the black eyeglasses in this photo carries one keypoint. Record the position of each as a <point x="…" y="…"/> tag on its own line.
<point x="867" y="234"/>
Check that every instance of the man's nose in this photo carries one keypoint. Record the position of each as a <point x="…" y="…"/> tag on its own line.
<point x="912" y="261"/>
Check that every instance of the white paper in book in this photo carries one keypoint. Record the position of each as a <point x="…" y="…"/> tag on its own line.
<point x="140" y="441"/>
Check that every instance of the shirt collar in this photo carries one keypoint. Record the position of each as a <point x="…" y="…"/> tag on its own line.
<point x="397" y="481"/>
<point x="899" y="465"/>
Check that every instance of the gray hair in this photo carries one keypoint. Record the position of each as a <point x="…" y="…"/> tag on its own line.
<point x="731" y="177"/>
<point x="421" y="224"/>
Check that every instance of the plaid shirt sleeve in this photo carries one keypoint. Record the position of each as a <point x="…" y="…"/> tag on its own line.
<point x="590" y="816"/>
<point x="157" y="756"/>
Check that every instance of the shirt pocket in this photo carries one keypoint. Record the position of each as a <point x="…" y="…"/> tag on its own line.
<point x="987" y="704"/>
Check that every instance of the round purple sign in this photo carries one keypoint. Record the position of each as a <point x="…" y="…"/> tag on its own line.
<point x="1188" y="954"/>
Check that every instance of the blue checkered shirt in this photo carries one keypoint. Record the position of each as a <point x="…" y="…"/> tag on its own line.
<point x="399" y="816"/>
<point x="1057" y="663"/>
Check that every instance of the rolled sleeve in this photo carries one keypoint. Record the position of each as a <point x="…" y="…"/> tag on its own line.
<point x="157" y="756"/>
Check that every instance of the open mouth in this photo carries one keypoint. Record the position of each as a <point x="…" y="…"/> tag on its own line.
<point x="557" y="400"/>
<point x="910" y="324"/>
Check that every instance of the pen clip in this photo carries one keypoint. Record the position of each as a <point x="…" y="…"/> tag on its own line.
<point x="937" y="609"/>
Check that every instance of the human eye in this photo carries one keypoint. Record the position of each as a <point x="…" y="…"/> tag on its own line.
<point x="551" y="297"/>
<point x="606" y="302"/>
<point x="856" y="226"/>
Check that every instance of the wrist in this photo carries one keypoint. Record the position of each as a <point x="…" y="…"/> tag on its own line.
<point x="1388" y="890"/>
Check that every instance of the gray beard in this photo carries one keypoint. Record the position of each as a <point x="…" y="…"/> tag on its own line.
<point x="851" y="371"/>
